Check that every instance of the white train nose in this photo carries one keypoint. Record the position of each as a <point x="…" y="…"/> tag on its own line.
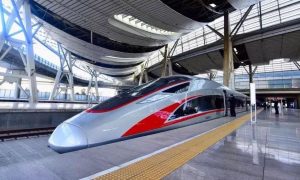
<point x="67" y="137"/>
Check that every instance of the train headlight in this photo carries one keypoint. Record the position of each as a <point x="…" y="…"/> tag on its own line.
<point x="154" y="98"/>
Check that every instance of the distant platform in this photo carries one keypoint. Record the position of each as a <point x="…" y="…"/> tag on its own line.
<point x="42" y="107"/>
<point x="24" y="115"/>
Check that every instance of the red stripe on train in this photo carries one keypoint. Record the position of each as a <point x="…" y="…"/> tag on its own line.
<point x="158" y="119"/>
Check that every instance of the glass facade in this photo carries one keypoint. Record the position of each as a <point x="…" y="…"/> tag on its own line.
<point x="264" y="14"/>
<point x="278" y="74"/>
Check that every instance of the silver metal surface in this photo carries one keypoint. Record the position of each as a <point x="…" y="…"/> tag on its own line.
<point x="103" y="127"/>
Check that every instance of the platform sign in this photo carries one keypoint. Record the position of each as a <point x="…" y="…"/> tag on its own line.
<point x="252" y="94"/>
<point x="253" y="101"/>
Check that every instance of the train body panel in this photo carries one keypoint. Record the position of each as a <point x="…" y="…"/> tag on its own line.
<point x="164" y="104"/>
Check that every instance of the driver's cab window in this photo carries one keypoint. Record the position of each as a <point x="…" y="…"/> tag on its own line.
<point x="178" y="89"/>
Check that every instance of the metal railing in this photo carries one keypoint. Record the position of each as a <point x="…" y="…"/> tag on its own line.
<point x="51" y="65"/>
<point x="10" y="94"/>
<point x="45" y="62"/>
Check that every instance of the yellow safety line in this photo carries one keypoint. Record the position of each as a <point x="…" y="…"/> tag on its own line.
<point x="162" y="164"/>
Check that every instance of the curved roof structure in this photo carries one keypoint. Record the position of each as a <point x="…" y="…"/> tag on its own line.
<point x="273" y="34"/>
<point x="116" y="35"/>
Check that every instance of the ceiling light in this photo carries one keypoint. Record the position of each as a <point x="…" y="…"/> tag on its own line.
<point x="139" y="24"/>
<point x="235" y="50"/>
<point x="213" y="5"/>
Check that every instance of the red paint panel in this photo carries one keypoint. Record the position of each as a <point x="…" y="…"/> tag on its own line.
<point x="153" y="121"/>
<point x="135" y="99"/>
<point x="158" y="119"/>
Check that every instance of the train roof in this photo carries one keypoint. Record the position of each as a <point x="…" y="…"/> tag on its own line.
<point x="213" y="83"/>
<point x="190" y="78"/>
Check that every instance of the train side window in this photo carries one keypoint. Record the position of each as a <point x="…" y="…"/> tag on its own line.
<point x="188" y="108"/>
<point x="178" y="89"/>
<point x="219" y="103"/>
<point x="200" y="104"/>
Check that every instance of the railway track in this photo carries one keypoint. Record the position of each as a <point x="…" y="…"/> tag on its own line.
<point x="14" y="134"/>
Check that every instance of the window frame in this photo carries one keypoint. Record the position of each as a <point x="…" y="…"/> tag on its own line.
<point x="182" y="84"/>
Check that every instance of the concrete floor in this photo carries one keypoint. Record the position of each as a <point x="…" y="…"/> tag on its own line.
<point x="268" y="150"/>
<point x="32" y="159"/>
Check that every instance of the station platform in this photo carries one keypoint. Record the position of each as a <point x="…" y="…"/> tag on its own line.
<point x="269" y="149"/>
<point x="224" y="147"/>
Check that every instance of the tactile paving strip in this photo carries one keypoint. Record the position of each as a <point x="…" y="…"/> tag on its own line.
<point x="162" y="164"/>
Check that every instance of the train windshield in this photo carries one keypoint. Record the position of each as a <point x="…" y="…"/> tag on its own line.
<point x="138" y="92"/>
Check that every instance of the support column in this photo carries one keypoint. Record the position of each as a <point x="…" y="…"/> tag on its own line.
<point x="298" y="101"/>
<point x="250" y="74"/>
<point x="89" y="89"/>
<point x="29" y="54"/>
<point x="55" y="85"/>
<point x="144" y="73"/>
<point x="96" y="88"/>
<point x="141" y="78"/>
<point x="165" y="62"/>
<point x="66" y="70"/>
<point x="146" y="76"/>
<point x="228" y="68"/>
<point x="25" y="45"/>
<point x="93" y="83"/>
<point x="66" y="94"/>
<point x="17" y="90"/>
<point x="71" y="86"/>
<point x="170" y="68"/>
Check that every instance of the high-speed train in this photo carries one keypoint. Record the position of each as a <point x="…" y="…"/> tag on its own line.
<point x="163" y="104"/>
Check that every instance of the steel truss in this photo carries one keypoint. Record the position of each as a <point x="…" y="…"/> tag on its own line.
<point x="93" y="83"/>
<point x="25" y="47"/>
<point x="296" y="63"/>
<point x="67" y="62"/>
<point x="167" y="64"/>
<point x="144" y="73"/>
<point x="228" y="66"/>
